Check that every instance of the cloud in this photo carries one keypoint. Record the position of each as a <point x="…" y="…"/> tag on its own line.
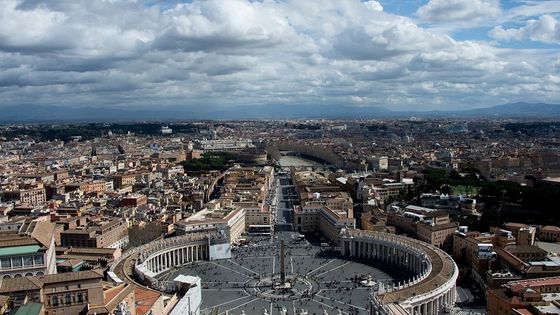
<point x="458" y="10"/>
<point x="373" y="5"/>
<point x="545" y="29"/>
<point x="241" y="52"/>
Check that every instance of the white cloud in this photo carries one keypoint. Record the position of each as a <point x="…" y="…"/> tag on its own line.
<point x="458" y="10"/>
<point x="545" y="29"/>
<point x="373" y="5"/>
<point x="213" y="52"/>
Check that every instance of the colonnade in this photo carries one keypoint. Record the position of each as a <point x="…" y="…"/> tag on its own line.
<point x="426" y="262"/>
<point x="433" y="307"/>
<point x="163" y="260"/>
<point x="403" y="255"/>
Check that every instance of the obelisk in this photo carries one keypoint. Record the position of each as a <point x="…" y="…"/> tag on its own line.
<point x="282" y="266"/>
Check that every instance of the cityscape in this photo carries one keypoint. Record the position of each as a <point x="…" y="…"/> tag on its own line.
<point x="441" y="216"/>
<point x="279" y="157"/>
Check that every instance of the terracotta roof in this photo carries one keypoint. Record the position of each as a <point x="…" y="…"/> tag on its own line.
<point x="437" y="213"/>
<point x="113" y="296"/>
<point x="85" y="250"/>
<point x="111" y="293"/>
<point x="20" y="284"/>
<point x="14" y="239"/>
<point x="551" y="228"/>
<point x="523" y="311"/>
<point x="514" y="224"/>
<point x="72" y="276"/>
<point x="516" y="249"/>
<point x="520" y="285"/>
<point x="43" y="232"/>
<point x="145" y="299"/>
<point x="510" y="258"/>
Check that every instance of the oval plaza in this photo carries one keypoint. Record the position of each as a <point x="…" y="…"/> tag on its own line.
<point x="221" y="268"/>
<point x="427" y="288"/>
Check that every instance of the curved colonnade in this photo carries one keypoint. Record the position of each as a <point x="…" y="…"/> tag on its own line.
<point x="143" y="264"/>
<point x="429" y="291"/>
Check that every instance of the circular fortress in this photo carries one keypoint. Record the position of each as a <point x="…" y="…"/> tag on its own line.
<point x="369" y="273"/>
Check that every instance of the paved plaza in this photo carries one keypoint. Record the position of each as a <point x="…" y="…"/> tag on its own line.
<point x="320" y="280"/>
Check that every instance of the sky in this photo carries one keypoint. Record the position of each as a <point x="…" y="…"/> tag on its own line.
<point x="399" y="54"/>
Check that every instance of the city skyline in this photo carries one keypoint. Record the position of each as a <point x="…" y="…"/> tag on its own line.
<point x="158" y="55"/>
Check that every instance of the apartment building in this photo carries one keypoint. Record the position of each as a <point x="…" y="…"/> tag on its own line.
<point x="106" y="234"/>
<point x="436" y="228"/>
<point x="530" y="296"/>
<point x="229" y="221"/>
<point x="31" y="196"/>
<point x="549" y="233"/>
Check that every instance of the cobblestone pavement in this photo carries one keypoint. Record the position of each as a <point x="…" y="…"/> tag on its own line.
<point x="322" y="281"/>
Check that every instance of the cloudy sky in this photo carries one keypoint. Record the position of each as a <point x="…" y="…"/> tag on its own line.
<point x="401" y="54"/>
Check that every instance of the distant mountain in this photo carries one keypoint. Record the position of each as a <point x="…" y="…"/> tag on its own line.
<point x="297" y="111"/>
<point x="519" y="109"/>
<point x="38" y="113"/>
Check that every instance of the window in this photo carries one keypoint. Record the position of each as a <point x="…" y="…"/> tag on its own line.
<point x="80" y="298"/>
<point x="28" y="261"/>
<point x="16" y="262"/>
<point x="39" y="260"/>
<point x="5" y="263"/>
<point x="54" y="301"/>
<point x="67" y="299"/>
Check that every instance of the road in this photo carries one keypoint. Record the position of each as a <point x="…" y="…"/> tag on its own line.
<point x="285" y="198"/>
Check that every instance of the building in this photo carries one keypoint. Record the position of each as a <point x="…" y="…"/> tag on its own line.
<point x="76" y="209"/>
<point x="324" y="208"/>
<point x="436" y="234"/>
<point x="190" y="293"/>
<point x="61" y="294"/>
<point x="224" y="145"/>
<point x="429" y="225"/>
<point x="106" y="234"/>
<point x="134" y="201"/>
<point x="524" y="234"/>
<point x="549" y="233"/>
<point x="28" y="251"/>
<point x="228" y="222"/>
<point x="472" y="249"/>
<point x="526" y="297"/>
<point x="32" y="196"/>
<point x="165" y="130"/>
<point x="317" y="217"/>
<point x="122" y="180"/>
<point x="86" y="187"/>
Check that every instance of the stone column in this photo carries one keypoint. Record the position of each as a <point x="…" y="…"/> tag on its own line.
<point x="169" y="259"/>
<point x="282" y="264"/>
